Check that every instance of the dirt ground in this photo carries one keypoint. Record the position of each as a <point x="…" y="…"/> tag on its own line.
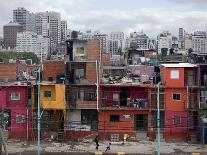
<point x="88" y="147"/>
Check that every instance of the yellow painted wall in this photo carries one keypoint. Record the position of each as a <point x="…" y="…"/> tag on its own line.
<point x="56" y="101"/>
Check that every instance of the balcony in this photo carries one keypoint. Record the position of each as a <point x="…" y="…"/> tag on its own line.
<point x="86" y="104"/>
<point x="128" y="104"/>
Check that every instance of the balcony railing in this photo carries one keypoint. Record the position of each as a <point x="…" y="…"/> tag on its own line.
<point x="127" y="104"/>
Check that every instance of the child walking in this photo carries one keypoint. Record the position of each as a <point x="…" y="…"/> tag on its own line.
<point x="108" y="147"/>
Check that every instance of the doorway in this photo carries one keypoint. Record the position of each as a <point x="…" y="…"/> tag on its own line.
<point x="140" y="122"/>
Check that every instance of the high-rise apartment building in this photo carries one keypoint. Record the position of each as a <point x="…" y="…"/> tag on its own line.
<point x="138" y="40"/>
<point x="48" y="24"/>
<point x="199" y="42"/>
<point x="24" y="18"/>
<point x="181" y="38"/>
<point x="103" y="38"/>
<point x="188" y="41"/>
<point x="10" y="34"/>
<point x="31" y="42"/>
<point x="164" y="42"/>
<point x="63" y="30"/>
<point x="116" y="43"/>
<point x="20" y="16"/>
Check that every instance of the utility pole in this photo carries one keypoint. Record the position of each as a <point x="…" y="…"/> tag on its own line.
<point x="38" y="115"/>
<point x="158" y="118"/>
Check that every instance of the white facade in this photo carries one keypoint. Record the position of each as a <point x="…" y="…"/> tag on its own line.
<point x="139" y="40"/>
<point x="63" y="30"/>
<point x="188" y="41"/>
<point x="164" y="40"/>
<point x="31" y="42"/>
<point x="117" y="35"/>
<point x="115" y="46"/>
<point x="199" y="42"/>
<point x="116" y="43"/>
<point x="24" y="18"/>
<point x="48" y="24"/>
<point x="89" y="35"/>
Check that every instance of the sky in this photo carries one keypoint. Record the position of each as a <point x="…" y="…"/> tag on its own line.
<point x="150" y="16"/>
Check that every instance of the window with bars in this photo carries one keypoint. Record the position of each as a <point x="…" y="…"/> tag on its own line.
<point x="20" y="118"/>
<point x="15" y="96"/>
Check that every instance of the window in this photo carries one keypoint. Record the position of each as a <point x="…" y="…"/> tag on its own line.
<point x="176" y="96"/>
<point x="105" y="94"/>
<point x="177" y="120"/>
<point x="79" y="73"/>
<point x="115" y="97"/>
<point x="48" y="94"/>
<point x="20" y="118"/>
<point x="114" y="118"/>
<point x="174" y="74"/>
<point x="15" y="96"/>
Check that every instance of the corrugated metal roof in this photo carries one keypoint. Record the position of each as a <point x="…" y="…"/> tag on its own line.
<point x="179" y="65"/>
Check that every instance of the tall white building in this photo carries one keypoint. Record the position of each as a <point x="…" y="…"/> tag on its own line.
<point x="48" y="24"/>
<point x="199" y="42"/>
<point x="24" y="18"/>
<point x="117" y="35"/>
<point x="31" y="42"/>
<point x="116" y="43"/>
<point x="103" y="38"/>
<point x="181" y="38"/>
<point x="138" y="40"/>
<point x="164" y="41"/>
<point x="188" y="41"/>
<point x="63" y="30"/>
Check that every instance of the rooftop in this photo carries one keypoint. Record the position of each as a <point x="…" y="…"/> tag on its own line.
<point x="179" y="65"/>
<point x="13" y="24"/>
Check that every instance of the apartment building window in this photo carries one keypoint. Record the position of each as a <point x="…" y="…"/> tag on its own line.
<point x="176" y="96"/>
<point x="177" y="120"/>
<point x="15" y="96"/>
<point x="47" y="94"/>
<point x="114" y="118"/>
<point x="174" y="74"/>
<point x="20" y="118"/>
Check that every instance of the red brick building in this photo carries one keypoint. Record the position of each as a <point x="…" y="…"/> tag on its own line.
<point x="10" y="34"/>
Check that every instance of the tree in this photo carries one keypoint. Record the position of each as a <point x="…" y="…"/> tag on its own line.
<point x="19" y="56"/>
<point x="190" y="50"/>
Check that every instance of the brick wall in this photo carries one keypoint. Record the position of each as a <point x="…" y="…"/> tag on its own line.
<point x="8" y="71"/>
<point x="52" y="69"/>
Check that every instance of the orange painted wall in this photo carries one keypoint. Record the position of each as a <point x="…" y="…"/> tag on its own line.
<point x="171" y="104"/>
<point x="125" y="125"/>
<point x="167" y="81"/>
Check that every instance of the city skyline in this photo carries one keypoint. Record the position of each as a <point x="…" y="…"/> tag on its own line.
<point x="118" y="15"/>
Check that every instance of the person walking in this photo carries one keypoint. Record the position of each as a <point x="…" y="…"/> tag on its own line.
<point x="96" y="141"/>
<point x="108" y="147"/>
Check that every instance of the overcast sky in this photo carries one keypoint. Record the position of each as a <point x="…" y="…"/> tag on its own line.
<point x="150" y="16"/>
